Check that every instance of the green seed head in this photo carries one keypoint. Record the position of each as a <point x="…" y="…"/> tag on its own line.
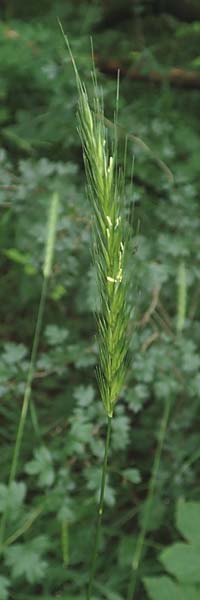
<point x="110" y="249"/>
<point x="111" y="246"/>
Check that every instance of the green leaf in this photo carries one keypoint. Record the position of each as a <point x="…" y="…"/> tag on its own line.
<point x="17" y="256"/>
<point x="25" y="559"/>
<point x="4" y="585"/>
<point x="12" y="499"/>
<point x="190" y="592"/>
<point x="21" y="258"/>
<point x="157" y="510"/>
<point x="161" y="587"/>
<point x="188" y="520"/>
<point x="56" y="335"/>
<point x="164" y="588"/>
<point x="42" y="466"/>
<point x="132" y="475"/>
<point x="58" y="292"/>
<point x="182" y="561"/>
<point x="126" y="550"/>
<point x="66" y="512"/>
<point x="13" y="353"/>
<point x="84" y="395"/>
<point x="93" y="476"/>
<point x="120" y="431"/>
<point x="196" y="62"/>
<point x="81" y="430"/>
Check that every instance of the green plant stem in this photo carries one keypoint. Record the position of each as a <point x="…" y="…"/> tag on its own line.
<point x="26" y="400"/>
<point x="100" y="510"/>
<point x="151" y="489"/>
<point x="25" y="527"/>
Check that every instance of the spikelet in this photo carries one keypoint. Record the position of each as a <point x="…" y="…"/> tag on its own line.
<point x="111" y="239"/>
<point x="110" y="245"/>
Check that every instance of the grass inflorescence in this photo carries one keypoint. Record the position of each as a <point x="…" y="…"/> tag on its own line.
<point x="111" y="251"/>
<point x="111" y="238"/>
<point x="110" y="248"/>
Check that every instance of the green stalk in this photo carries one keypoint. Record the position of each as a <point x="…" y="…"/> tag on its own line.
<point x="26" y="400"/>
<point x="25" y="527"/>
<point x="181" y="299"/>
<point x="100" y="510"/>
<point x="28" y="388"/>
<point x="151" y="489"/>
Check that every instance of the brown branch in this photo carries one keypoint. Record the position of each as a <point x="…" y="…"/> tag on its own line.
<point x="176" y="76"/>
<point x="154" y="302"/>
<point x="152" y="338"/>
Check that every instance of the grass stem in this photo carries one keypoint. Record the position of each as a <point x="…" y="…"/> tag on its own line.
<point x="28" y="387"/>
<point x="100" y="510"/>
<point x="26" y="401"/>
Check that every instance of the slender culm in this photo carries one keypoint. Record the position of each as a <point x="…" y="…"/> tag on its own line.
<point x="47" y="268"/>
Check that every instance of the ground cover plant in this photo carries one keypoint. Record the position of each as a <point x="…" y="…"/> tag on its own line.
<point x="51" y="509"/>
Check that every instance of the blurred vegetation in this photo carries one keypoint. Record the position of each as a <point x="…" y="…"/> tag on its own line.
<point x="52" y="505"/>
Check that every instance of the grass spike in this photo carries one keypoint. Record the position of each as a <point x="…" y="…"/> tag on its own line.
<point x="111" y="250"/>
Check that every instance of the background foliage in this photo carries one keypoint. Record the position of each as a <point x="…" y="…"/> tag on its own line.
<point x="52" y="505"/>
